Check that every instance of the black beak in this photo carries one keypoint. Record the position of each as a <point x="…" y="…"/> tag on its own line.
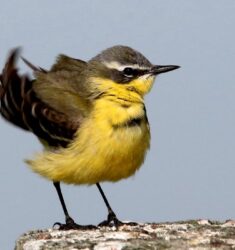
<point x="158" y="69"/>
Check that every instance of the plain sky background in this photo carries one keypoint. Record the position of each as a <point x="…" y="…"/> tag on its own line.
<point x="190" y="170"/>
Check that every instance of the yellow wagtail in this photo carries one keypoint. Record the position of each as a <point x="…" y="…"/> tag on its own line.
<point x="90" y="116"/>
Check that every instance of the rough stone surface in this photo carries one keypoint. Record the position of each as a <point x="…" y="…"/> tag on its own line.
<point x="200" y="235"/>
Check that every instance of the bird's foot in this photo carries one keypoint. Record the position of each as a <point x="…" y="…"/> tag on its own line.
<point x="113" y="221"/>
<point x="71" y="225"/>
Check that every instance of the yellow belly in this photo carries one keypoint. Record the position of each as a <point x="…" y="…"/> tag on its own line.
<point x="100" y="152"/>
<point x="113" y="156"/>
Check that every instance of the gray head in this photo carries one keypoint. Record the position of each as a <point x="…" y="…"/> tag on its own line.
<point x="123" y="55"/>
<point x="123" y="64"/>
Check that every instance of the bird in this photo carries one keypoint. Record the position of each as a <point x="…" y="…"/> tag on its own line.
<point x="90" y="117"/>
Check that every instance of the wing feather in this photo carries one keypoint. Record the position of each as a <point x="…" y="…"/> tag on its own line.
<point x="22" y="106"/>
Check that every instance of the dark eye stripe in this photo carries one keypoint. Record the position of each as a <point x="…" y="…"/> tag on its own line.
<point x="134" y="72"/>
<point x="118" y="76"/>
<point x="139" y="72"/>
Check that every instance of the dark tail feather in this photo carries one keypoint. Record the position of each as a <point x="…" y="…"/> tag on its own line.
<point x="20" y="106"/>
<point x="33" y="67"/>
<point x="1" y="88"/>
<point x="12" y="90"/>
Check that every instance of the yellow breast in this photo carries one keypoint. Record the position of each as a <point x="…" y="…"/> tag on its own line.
<point x="110" y="145"/>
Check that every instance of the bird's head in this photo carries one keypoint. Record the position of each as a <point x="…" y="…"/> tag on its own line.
<point x="122" y="68"/>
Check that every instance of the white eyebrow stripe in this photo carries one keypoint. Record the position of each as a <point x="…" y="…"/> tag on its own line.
<point x="121" y="67"/>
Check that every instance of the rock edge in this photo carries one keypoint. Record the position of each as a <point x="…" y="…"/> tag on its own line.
<point x="196" y="234"/>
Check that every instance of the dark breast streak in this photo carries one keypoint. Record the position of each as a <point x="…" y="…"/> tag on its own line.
<point x="134" y="122"/>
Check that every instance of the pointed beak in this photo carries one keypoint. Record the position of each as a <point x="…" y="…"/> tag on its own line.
<point x="158" y="69"/>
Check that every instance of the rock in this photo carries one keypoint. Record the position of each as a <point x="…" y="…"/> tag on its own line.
<point x="200" y="235"/>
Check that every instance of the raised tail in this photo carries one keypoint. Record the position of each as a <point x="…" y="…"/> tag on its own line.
<point x="20" y="106"/>
<point x="12" y="91"/>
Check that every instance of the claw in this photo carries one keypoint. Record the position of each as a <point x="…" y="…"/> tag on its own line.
<point x="113" y="221"/>
<point x="56" y="225"/>
<point x="71" y="225"/>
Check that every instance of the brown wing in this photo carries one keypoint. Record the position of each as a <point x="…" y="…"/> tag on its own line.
<point x="21" y="107"/>
<point x="67" y="63"/>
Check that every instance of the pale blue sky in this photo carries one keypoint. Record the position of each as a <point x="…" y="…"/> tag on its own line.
<point x="190" y="170"/>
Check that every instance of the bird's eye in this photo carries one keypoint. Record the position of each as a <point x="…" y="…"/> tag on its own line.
<point x="129" y="72"/>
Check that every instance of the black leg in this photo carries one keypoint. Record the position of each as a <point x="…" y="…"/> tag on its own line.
<point x="69" y="222"/>
<point x="58" y="189"/>
<point x="112" y="219"/>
